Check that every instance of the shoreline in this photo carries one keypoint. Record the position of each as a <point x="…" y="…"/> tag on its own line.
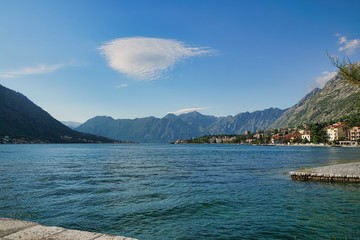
<point x="274" y="145"/>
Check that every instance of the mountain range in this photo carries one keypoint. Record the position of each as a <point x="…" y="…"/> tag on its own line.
<point x="21" y="118"/>
<point x="23" y="121"/>
<point x="184" y="126"/>
<point x="337" y="99"/>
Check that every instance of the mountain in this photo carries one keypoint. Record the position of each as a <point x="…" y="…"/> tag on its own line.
<point x="246" y="121"/>
<point x="337" y="99"/>
<point x="184" y="126"/>
<point x="23" y="121"/>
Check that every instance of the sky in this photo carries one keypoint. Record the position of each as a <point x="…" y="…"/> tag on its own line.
<point x="138" y="58"/>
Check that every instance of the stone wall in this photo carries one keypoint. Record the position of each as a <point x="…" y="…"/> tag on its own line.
<point x="301" y="176"/>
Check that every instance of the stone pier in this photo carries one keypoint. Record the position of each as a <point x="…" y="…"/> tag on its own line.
<point x="12" y="229"/>
<point x="344" y="173"/>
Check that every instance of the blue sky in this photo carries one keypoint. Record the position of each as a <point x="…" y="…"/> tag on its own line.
<point x="131" y="59"/>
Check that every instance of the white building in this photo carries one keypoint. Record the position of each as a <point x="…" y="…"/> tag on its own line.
<point x="354" y="134"/>
<point x="306" y="135"/>
<point x="337" y="131"/>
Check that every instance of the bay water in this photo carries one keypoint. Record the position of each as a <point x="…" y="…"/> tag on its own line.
<point x="163" y="191"/>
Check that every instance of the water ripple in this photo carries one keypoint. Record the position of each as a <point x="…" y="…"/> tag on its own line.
<point x="179" y="191"/>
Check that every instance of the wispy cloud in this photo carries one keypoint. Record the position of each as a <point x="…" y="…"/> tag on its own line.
<point x="188" y="110"/>
<point x="39" y="69"/>
<point x="145" y="58"/>
<point x="121" y="86"/>
<point x="348" y="45"/>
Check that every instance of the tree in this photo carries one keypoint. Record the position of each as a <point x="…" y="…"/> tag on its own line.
<point x="318" y="133"/>
<point x="348" y="70"/>
<point x="354" y="119"/>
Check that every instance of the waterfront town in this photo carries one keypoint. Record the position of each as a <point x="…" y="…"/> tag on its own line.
<point x="337" y="134"/>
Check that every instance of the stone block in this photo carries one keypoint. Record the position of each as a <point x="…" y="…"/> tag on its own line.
<point x="34" y="233"/>
<point x="9" y="226"/>
<point x="74" y="235"/>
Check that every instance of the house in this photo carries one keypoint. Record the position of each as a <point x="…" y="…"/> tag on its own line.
<point x="354" y="133"/>
<point x="336" y="131"/>
<point x="227" y="139"/>
<point x="301" y="131"/>
<point x="259" y="135"/>
<point x="306" y="135"/>
<point x="277" y="139"/>
<point x="292" y="137"/>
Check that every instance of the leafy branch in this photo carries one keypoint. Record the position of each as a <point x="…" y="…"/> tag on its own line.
<point x="348" y="70"/>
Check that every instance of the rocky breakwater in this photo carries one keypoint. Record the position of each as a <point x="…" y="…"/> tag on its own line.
<point x="344" y="173"/>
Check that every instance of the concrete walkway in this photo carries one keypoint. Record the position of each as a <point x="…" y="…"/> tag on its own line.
<point x="12" y="229"/>
<point x="348" y="172"/>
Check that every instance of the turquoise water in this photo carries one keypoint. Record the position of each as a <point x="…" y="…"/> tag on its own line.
<point x="179" y="191"/>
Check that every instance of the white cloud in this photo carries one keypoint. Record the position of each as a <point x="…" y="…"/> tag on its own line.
<point x="121" y="86"/>
<point x="188" y="110"/>
<point x="147" y="58"/>
<point x="39" y="69"/>
<point x="324" y="78"/>
<point x="348" y="45"/>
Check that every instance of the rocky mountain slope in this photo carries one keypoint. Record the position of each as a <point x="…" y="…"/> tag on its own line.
<point x="184" y="126"/>
<point x="23" y="121"/>
<point x="246" y="121"/>
<point x="337" y="99"/>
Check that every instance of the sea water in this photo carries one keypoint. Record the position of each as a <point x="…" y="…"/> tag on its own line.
<point x="163" y="191"/>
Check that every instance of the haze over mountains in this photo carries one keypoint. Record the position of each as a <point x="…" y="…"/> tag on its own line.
<point x="19" y="117"/>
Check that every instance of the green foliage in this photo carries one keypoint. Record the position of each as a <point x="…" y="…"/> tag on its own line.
<point x="318" y="133"/>
<point x="353" y="120"/>
<point x="348" y="70"/>
<point x="200" y="140"/>
<point x="241" y="138"/>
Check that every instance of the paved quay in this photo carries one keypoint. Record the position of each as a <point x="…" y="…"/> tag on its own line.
<point x="345" y="173"/>
<point x="12" y="229"/>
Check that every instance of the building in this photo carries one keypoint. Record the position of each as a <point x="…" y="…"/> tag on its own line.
<point x="259" y="135"/>
<point x="337" y="131"/>
<point x="306" y="135"/>
<point x="277" y="139"/>
<point x="354" y="134"/>
<point x="293" y="137"/>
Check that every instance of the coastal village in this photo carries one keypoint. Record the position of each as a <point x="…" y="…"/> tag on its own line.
<point x="337" y="134"/>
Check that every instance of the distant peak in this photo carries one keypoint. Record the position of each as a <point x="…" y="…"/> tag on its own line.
<point x="101" y="117"/>
<point x="193" y="113"/>
<point x="170" y="116"/>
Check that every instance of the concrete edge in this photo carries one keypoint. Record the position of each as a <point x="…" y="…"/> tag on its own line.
<point x="13" y="229"/>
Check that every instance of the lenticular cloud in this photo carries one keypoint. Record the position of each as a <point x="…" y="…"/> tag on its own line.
<point x="147" y="58"/>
